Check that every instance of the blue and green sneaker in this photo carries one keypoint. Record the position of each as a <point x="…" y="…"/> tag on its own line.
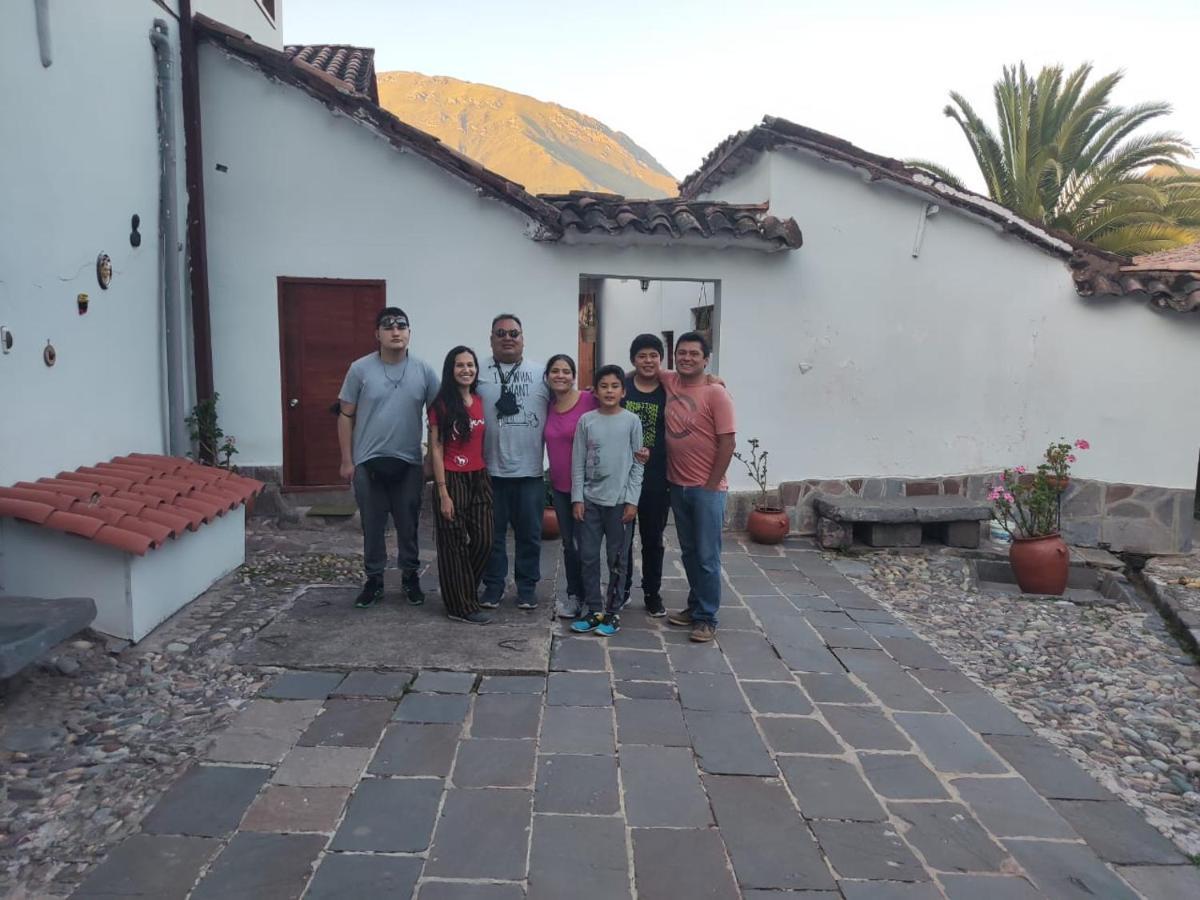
<point x="590" y="622"/>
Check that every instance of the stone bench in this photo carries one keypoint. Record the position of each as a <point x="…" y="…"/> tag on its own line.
<point x="899" y="521"/>
<point x="29" y="626"/>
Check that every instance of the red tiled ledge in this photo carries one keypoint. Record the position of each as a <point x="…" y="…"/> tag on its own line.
<point x="134" y="503"/>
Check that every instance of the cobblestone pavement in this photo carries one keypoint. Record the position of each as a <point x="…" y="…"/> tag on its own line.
<point x="820" y="747"/>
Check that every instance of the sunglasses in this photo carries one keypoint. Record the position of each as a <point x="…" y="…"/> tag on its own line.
<point x="389" y="322"/>
<point x="511" y="332"/>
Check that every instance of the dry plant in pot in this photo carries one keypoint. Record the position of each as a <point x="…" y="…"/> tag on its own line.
<point x="766" y="524"/>
<point x="1028" y="506"/>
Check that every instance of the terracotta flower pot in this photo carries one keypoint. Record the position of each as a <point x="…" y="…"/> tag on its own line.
<point x="1058" y="484"/>
<point x="767" y="525"/>
<point x="550" y="530"/>
<point x="1040" y="564"/>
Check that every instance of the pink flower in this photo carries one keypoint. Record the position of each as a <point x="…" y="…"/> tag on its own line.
<point x="1020" y="470"/>
<point x="1082" y="445"/>
<point x="1009" y="497"/>
<point x="995" y="494"/>
<point x="1070" y="457"/>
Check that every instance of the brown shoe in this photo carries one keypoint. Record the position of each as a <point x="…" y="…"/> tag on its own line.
<point x="683" y="618"/>
<point x="703" y="631"/>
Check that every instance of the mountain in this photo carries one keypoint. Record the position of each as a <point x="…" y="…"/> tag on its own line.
<point x="1161" y="171"/>
<point x="544" y="146"/>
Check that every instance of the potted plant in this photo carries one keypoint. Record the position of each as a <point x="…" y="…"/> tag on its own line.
<point x="1028" y="506"/>
<point x="767" y="524"/>
<point x="550" y="531"/>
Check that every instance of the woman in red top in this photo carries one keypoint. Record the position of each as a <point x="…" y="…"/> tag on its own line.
<point x="464" y="514"/>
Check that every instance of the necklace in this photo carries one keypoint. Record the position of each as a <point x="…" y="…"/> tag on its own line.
<point x="394" y="382"/>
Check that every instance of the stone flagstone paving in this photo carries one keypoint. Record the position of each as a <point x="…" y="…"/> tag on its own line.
<point x="798" y="757"/>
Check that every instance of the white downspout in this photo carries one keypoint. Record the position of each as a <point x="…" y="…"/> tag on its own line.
<point x="177" y="439"/>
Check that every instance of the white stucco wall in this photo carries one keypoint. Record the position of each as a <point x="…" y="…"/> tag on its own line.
<point x="626" y="311"/>
<point x="247" y="16"/>
<point x="970" y="357"/>
<point x="80" y="157"/>
<point x="312" y="194"/>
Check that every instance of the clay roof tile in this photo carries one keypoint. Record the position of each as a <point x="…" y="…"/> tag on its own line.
<point x="133" y="503"/>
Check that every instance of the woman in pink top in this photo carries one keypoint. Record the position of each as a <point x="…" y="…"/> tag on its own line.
<point x="567" y="404"/>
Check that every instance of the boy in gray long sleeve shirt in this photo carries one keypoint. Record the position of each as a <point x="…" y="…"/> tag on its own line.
<point x="606" y="482"/>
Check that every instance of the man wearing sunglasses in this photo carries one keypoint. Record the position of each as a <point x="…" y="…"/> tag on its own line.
<point x="515" y="397"/>
<point x="381" y="410"/>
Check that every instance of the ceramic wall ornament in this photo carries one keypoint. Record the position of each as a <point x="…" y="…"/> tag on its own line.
<point x="49" y="354"/>
<point x="104" y="271"/>
<point x="81" y="301"/>
<point x="135" y="237"/>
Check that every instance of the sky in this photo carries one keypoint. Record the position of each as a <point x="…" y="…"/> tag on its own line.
<point x="678" y="77"/>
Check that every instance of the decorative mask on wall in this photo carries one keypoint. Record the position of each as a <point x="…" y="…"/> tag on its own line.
<point x="49" y="354"/>
<point x="135" y="238"/>
<point x="104" y="271"/>
<point x="81" y="300"/>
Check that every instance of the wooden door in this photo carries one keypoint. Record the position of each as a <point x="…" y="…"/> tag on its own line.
<point x="324" y="325"/>
<point x="589" y="332"/>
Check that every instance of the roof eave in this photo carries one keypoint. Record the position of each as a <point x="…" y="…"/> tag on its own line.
<point x="338" y="95"/>
<point x="741" y="149"/>
<point x="575" y="237"/>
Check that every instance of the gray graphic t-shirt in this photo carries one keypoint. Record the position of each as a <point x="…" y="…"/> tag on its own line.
<point x="603" y="470"/>
<point x="512" y="445"/>
<point x="389" y="398"/>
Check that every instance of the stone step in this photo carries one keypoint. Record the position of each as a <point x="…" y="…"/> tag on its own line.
<point x="29" y="626"/>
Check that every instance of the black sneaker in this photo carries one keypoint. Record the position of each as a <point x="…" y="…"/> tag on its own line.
<point x="473" y="618"/>
<point x="488" y="603"/>
<point x="371" y="593"/>
<point x="412" y="588"/>
<point x="654" y="606"/>
<point x="526" y="603"/>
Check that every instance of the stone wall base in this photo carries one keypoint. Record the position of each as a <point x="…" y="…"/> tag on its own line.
<point x="1118" y="517"/>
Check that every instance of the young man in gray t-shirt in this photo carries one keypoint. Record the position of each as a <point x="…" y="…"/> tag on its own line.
<point x="381" y="407"/>
<point x="515" y="397"/>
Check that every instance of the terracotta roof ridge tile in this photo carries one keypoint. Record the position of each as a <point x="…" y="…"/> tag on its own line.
<point x="104" y="514"/>
<point x="157" y="533"/>
<point x="209" y="510"/>
<point x="49" y="498"/>
<point x="59" y="486"/>
<point x="25" y="510"/>
<point x="99" y="484"/>
<point x="74" y="523"/>
<point x="132" y="507"/>
<point x="122" y="539"/>
<point x="162" y="492"/>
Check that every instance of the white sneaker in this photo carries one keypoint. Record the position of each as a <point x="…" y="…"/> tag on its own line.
<point x="569" y="608"/>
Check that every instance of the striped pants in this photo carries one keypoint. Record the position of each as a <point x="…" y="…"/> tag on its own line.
<point x="464" y="544"/>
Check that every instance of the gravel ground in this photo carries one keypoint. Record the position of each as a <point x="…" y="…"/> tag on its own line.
<point x="94" y="733"/>
<point x="1108" y="684"/>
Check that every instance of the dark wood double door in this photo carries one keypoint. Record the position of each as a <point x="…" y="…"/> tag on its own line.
<point x="324" y="325"/>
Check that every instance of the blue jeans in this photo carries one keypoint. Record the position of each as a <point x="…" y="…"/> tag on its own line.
<point x="517" y="502"/>
<point x="699" y="518"/>
<point x="569" y="529"/>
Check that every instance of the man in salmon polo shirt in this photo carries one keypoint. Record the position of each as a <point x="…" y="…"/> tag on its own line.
<point x="700" y="441"/>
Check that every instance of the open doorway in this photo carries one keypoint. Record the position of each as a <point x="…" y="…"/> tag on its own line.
<point x="613" y="309"/>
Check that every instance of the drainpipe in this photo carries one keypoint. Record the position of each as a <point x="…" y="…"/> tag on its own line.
<point x="42" y="12"/>
<point x="197" y="230"/>
<point x="178" y="441"/>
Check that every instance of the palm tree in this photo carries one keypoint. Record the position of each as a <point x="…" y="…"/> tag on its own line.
<point x="1068" y="158"/>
